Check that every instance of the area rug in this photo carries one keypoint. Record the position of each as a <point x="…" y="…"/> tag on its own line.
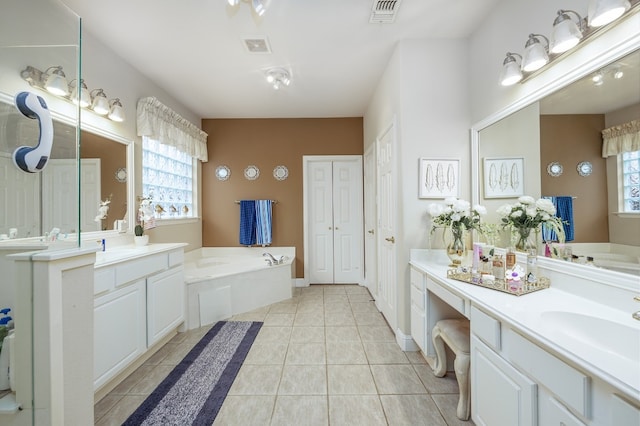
<point x="194" y="391"/>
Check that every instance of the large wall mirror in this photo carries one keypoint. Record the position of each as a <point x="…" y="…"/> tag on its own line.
<point x="558" y="134"/>
<point x="37" y="203"/>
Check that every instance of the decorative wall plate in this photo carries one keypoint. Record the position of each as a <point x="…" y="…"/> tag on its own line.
<point x="251" y="172"/>
<point x="223" y="172"/>
<point x="554" y="169"/>
<point x="584" y="168"/>
<point x="280" y="172"/>
<point x="121" y="175"/>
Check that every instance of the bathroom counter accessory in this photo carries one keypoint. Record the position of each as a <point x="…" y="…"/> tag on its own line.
<point x="501" y="285"/>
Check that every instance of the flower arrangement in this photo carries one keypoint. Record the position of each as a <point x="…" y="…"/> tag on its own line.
<point x="145" y="216"/>
<point x="103" y="209"/>
<point x="528" y="214"/>
<point x="457" y="215"/>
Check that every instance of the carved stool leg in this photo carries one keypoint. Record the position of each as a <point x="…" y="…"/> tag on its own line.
<point x="461" y="366"/>
<point x="440" y="368"/>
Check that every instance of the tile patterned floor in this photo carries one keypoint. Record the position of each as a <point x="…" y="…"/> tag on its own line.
<point x="324" y="357"/>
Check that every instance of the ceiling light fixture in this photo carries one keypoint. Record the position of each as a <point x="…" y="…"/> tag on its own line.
<point x="278" y="77"/>
<point x="259" y="7"/>
<point x="618" y="73"/>
<point x="535" y="53"/>
<point x="566" y="33"/>
<point x="511" y="73"/>
<point x="598" y="78"/>
<point x="601" y="12"/>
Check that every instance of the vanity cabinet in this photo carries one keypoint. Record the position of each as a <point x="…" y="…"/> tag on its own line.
<point x="138" y="301"/>
<point x="418" y="302"/>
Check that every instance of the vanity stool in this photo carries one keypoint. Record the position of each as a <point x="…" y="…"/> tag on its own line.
<point x="455" y="333"/>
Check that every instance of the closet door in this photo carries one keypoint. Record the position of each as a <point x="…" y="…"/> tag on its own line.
<point x="334" y="217"/>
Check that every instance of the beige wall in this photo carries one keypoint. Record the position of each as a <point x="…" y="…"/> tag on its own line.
<point x="570" y="139"/>
<point x="267" y="143"/>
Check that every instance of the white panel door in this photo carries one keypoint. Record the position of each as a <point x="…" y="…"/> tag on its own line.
<point x="387" y="207"/>
<point x="334" y="239"/>
<point x="370" y="220"/>
<point x="347" y="220"/>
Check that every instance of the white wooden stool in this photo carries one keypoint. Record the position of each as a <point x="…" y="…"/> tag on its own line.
<point x="455" y="333"/>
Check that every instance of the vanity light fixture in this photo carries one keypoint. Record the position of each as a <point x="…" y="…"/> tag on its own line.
<point x="618" y="73"/>
<point x="566" y="33"/>
<point x="84" y="99"/>
<point x="598" y="78"/>
<point x="602" y="12"/>
<point x="116" y="112"/>
<point x="99" y="103"/>
<point x="278" y="77"/>
<point x="53" y="81"/>
<point x="511" y="73"/>
<point x="56" y="82"/>
<point x="535" y="53"/>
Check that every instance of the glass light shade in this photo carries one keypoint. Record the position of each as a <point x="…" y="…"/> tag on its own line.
<point x="116" y="113"/>
<point x="260" y="6"/>
<point x="56" y="82"/>
<point x="84" y="100"/>
<point x="601" y="12"/>
<point x="565" y="35"/>
<point x="511" y="73"/>
<point x="100" y="104"/>
<point x="233" y="2"/>
<point x="535" y="55"/>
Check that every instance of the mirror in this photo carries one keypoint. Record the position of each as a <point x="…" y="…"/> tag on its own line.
<point x="559" y="138"/>
<point x="103" y="177"/>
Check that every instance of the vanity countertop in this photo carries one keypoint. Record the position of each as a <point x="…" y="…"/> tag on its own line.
<point x="601" y="339"/>
<point x="128" y="252"/>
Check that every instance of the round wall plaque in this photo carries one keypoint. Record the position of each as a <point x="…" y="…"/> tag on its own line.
<point x="584" y="168"/>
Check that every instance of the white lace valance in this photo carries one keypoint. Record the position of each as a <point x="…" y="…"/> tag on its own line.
<point x="619" y="139"/>
<point x="159" y="122"/>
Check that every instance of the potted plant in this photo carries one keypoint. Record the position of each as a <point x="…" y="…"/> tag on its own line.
<point x="145" y="216"/>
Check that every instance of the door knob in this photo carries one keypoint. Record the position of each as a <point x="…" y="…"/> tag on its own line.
<point x="336" y="228"/>
<point x="391" y="240"/>
<point x="370" y="231"/>
<point x="330" y="228"/>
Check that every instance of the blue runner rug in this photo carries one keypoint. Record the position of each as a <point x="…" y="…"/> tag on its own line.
<point x="194" y="391"/>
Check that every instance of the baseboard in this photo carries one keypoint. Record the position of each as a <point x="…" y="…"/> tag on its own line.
<point x="300" y="282"/>
<point x="406" y="342"/>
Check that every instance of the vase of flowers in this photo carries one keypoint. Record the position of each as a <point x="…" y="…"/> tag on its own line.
<point x="457" y="217"/>
<point x="145" y="221"/>
<point x="525" y="217"/>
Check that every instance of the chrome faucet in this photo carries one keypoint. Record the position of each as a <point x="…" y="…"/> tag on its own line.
<point x="272" y="260"/>
<point x="636" y="315"/>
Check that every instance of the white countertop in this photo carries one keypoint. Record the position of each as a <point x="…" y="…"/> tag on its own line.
<point x="128" y="252"/>
<point x="563" y="323"/>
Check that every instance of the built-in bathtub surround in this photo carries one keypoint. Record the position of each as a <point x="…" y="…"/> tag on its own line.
<point x="226" y="281"/>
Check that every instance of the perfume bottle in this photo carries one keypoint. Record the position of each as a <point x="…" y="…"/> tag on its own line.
<point x="511" y="258"/>
<point x="498" y="267"/>
<point x="532" y="266"/>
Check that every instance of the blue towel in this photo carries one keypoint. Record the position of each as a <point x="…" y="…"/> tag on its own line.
<point x="247" y="222"/>
<point x="263" y="222"/>
<point x="564" y="210"/>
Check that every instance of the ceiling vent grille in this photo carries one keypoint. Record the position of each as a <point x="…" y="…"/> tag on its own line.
<point x="384" y="11"/>
<point x="256" y="44"/>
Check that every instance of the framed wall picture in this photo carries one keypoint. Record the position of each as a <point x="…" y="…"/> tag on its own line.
<point x="503" y="177"/>
<point x="438" y="178"/>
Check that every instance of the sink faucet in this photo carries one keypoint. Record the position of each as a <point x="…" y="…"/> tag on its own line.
<point x="636" y="315"/>
<point x="272" y="260"/>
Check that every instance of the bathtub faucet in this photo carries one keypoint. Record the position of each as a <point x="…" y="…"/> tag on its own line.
<point x="272" y="260"/>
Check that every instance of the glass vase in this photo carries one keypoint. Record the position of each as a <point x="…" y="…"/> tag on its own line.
<point x="526" y="239"/>
<point x="455" y="245"/>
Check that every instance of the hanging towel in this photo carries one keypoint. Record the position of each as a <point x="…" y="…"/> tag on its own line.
<point x="564" y="210"/>
<point x="263" y="222"/>
<point x="247" y="222"/>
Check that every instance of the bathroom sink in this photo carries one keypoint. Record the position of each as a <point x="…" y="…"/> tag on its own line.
<point x="599" y="333"/>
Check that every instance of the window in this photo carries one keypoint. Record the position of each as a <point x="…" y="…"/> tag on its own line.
<point x="167" y="178"/>
<point x="631" y="182"/>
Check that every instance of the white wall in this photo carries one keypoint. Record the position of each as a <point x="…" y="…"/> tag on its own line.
<point x="429" y="102"/>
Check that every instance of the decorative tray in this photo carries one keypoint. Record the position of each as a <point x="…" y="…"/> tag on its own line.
<point x="516" y="288"/>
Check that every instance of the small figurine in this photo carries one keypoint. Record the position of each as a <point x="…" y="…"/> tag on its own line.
<point x="159" y="209"/>
<point x="185" y="209"/>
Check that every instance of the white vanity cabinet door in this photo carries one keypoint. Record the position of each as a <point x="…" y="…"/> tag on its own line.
<point x="119" y="330"/>
<point x="165" y="303"/>
<point x="500" y="395"/>
<point x="418" y="300"/>
<point x="552" y="412"/>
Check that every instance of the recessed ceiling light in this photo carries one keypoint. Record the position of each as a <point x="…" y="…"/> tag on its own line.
<point x="258" y="44"/>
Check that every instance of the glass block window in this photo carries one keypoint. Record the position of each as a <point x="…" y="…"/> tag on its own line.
<point x="167" y="178"/>
<point x="631" y="182"/>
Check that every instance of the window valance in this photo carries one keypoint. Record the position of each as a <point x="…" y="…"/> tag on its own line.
<point x="619" y="139"/>
<point x="159" y="122"/>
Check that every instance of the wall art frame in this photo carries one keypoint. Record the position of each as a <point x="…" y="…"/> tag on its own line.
<point x="503" y="177"/>
<point x="438" y="178"/>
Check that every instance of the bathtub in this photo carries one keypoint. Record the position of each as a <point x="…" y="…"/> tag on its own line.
<point x="225" y="281"/>
<point x="615" y="257"/>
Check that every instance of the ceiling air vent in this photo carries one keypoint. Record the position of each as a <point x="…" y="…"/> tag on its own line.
<point x="384" y="11"/>
<point x="256" y="44"/>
